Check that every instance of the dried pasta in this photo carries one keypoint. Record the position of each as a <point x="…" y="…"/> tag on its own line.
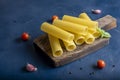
<point x="93" y="31"/>
<point x="55" y="46"/>
<point x="79" y="39"/>
<point x="57" y="32"/>
<point x="90" y="24"/>
<point x="72" y="31"/>
<point x="70" y="46"/>
<point x="84" y="16"/>
<point x="68" y="26"/>
<point x="89" y="38"/>
<point x="96" y="34"/>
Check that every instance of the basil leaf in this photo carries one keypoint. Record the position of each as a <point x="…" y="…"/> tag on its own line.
<point x="103" y="33"/>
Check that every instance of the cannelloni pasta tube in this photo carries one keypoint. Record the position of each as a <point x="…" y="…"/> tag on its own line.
<point x="70" y="46"/>
<point x="79" y="39"/>
<point x="55" y="46"/>
<point x="89" y="38"/>
<point x="93" y="31"/>
<point x="90" y="24"/>
<point x="96" y="34"/>
<point x="57" y="32"/>
<point x="68" y="26"/>
<point x="84" y="16"/>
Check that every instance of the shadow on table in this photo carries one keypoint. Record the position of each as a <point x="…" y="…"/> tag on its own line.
<point x="44" y="57"/>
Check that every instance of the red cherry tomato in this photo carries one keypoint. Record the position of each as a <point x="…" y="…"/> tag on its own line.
<point x="25" y="36"/>
<point x="101" y="64"/>
<point x="54" y="17"/>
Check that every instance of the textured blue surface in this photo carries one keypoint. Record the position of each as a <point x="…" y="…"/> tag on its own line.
<point x="18" y="16"/>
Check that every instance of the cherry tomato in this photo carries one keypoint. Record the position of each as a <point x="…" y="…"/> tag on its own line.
<point x="101" y="64"/>
<point x="25" y="36"/>
<point x="54" y="17"/>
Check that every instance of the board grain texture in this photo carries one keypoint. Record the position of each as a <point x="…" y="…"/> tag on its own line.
<point x="42" y="42"/>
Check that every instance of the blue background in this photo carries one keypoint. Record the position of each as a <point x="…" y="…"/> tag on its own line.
<point x="18" y="16"/>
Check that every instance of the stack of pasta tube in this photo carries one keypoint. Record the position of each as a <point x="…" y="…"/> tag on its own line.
<point x="72" y="31"/>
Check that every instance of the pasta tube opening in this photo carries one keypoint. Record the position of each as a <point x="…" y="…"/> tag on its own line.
<point x="58" y="53"/>
<point x="55" y="46"/>
<point x="79" y="41"/>
<point x="89" y="38"/>
<point x="79" y="38"/>
<point x="96" y="34"/>
<point x="70" y="46"/>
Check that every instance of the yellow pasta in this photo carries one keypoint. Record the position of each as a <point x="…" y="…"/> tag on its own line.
<point x="96" y="34"/>
<point x="93" y="31"/>
<point x="55" y="46"/>
<point x="68" y="26"/>
<point x="84" y="16"/>
<point x="57" y="32"/>
<point x="72" y="31"/>
<point x="79" y="39"/>
<point x="89" y="38"/>
<point x="90" y="24"/>
<point x="70" y="46"/>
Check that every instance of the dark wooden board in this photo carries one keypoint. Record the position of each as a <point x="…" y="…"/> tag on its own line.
<point x="42" y="42"/>
<point x="107" y="22"/>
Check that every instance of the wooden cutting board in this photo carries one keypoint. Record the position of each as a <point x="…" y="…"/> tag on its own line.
<point x="42" y="42"/>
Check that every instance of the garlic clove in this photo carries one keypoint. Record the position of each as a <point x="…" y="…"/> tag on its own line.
<point x="30" y="68"/>
<point x="97" y="11"/>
